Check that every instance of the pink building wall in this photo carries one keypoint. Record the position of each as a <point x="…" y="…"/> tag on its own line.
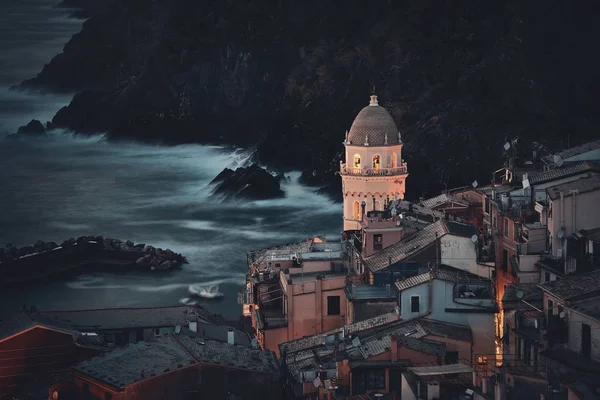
<point x="580" y="212"/>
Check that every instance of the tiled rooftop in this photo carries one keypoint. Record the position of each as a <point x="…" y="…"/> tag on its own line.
<point x="413" y="281"/>
<point x="137" y="362"/>
<point x="444" y="329"/>
<point x="127" y="318"/>
<point x="28" y="319"/>
<point x="588" y="307"/>
<point x="574" y="286"/>
<point x="407" y="247"/>
<point x="582" y="185"/>
<point x="443" y="199"/>
<point x="422" y="345"/>
<point x="558" y="173"/>
<point x="573" y="151"/>
<point x="322" y="351"/>
<point x="444" y="273"/>
<point x="309" y="342"/>
<point x="591" y="234"/>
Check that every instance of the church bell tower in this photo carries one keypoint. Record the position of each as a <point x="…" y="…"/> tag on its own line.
<point x="374" y="171"/>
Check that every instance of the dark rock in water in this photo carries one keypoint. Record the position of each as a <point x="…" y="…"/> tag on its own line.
<point x="252" y="182"/>
<point x="223" y="175"/>
<point x="34" y="127"/>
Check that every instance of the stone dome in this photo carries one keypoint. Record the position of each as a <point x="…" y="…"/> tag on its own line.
<point x="372" y="124"/>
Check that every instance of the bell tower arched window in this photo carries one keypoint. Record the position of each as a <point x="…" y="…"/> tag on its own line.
<point x="356" y="211"/>
<point x="357" y="161"/>
<point x="393" y="160"/>
<point x="376" y="161"/>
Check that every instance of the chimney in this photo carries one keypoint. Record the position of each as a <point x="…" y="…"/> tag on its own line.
<point x="193" y="325"/>
<point x="230" y="336"/>
<point x="394" y="348"/>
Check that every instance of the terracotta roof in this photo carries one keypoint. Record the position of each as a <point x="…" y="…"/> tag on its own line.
<point x="407" y="247"/>
<point x="559" y="173"/>
<point x="373" y="123"/>
<point x="573" y="151"/>
<point x="574" y="286"/>
<point x="582" y="185"/>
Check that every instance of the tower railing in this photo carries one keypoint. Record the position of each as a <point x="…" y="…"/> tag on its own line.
<point x="349" y="170"/>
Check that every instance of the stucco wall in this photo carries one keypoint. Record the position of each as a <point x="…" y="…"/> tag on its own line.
<point x="586" y="215"/>
<point x="416" y="357"/>
<point x="575" y="320"/>
<point x="422" y="291"/>
<point x="460" y="252"/>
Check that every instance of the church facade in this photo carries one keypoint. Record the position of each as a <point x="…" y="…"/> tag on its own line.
<point x="374" y="172"/>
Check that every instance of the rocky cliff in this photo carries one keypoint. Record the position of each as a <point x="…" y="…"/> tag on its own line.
<point x="459" y="77"/>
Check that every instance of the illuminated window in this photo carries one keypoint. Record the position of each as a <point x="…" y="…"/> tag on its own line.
<point x="357" y="161"/>
<point x="376" y="161"/>
<point x="482" y="360"/>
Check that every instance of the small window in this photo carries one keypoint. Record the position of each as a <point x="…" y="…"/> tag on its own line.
<point x="507" y="334"/>
<point x="482" y="360"/>
<point x="414" y="304"/>
<point x="157" y="332"/>
<point x="451" y="357"/>
<point x="333" y="305"/>
<point x="107" y="396"/>
<point x="487" y="205"/>
<point x="506" y="227"/>
<point x="377" y="242"/>
<point x="547" y="277"/>
<point x="356" y="161"/>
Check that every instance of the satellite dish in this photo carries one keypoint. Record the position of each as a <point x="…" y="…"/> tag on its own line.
<point x="560" y="234"/>
<point x="519" y="294"/>
<point x="474" y="238"/>
<point x="558" y="161"/>
<point x="178" y="329"/>
<point x="475" y="184"/>
<point x="506" y="146"/>
<point x="562" y="314"/>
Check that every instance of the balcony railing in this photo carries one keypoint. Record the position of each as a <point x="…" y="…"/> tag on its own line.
<point x="348" y="170"/>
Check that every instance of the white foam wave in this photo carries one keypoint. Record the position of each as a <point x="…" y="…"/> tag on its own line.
<point x="205" y="291"/>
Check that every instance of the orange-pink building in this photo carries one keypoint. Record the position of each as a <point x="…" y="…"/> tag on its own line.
<point x="296" y="290"/>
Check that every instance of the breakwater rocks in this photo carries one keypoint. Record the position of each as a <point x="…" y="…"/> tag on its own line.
<point x="44" y="259"/>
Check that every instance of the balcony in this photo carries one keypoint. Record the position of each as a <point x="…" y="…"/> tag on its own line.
<point x="348" y="170"/>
